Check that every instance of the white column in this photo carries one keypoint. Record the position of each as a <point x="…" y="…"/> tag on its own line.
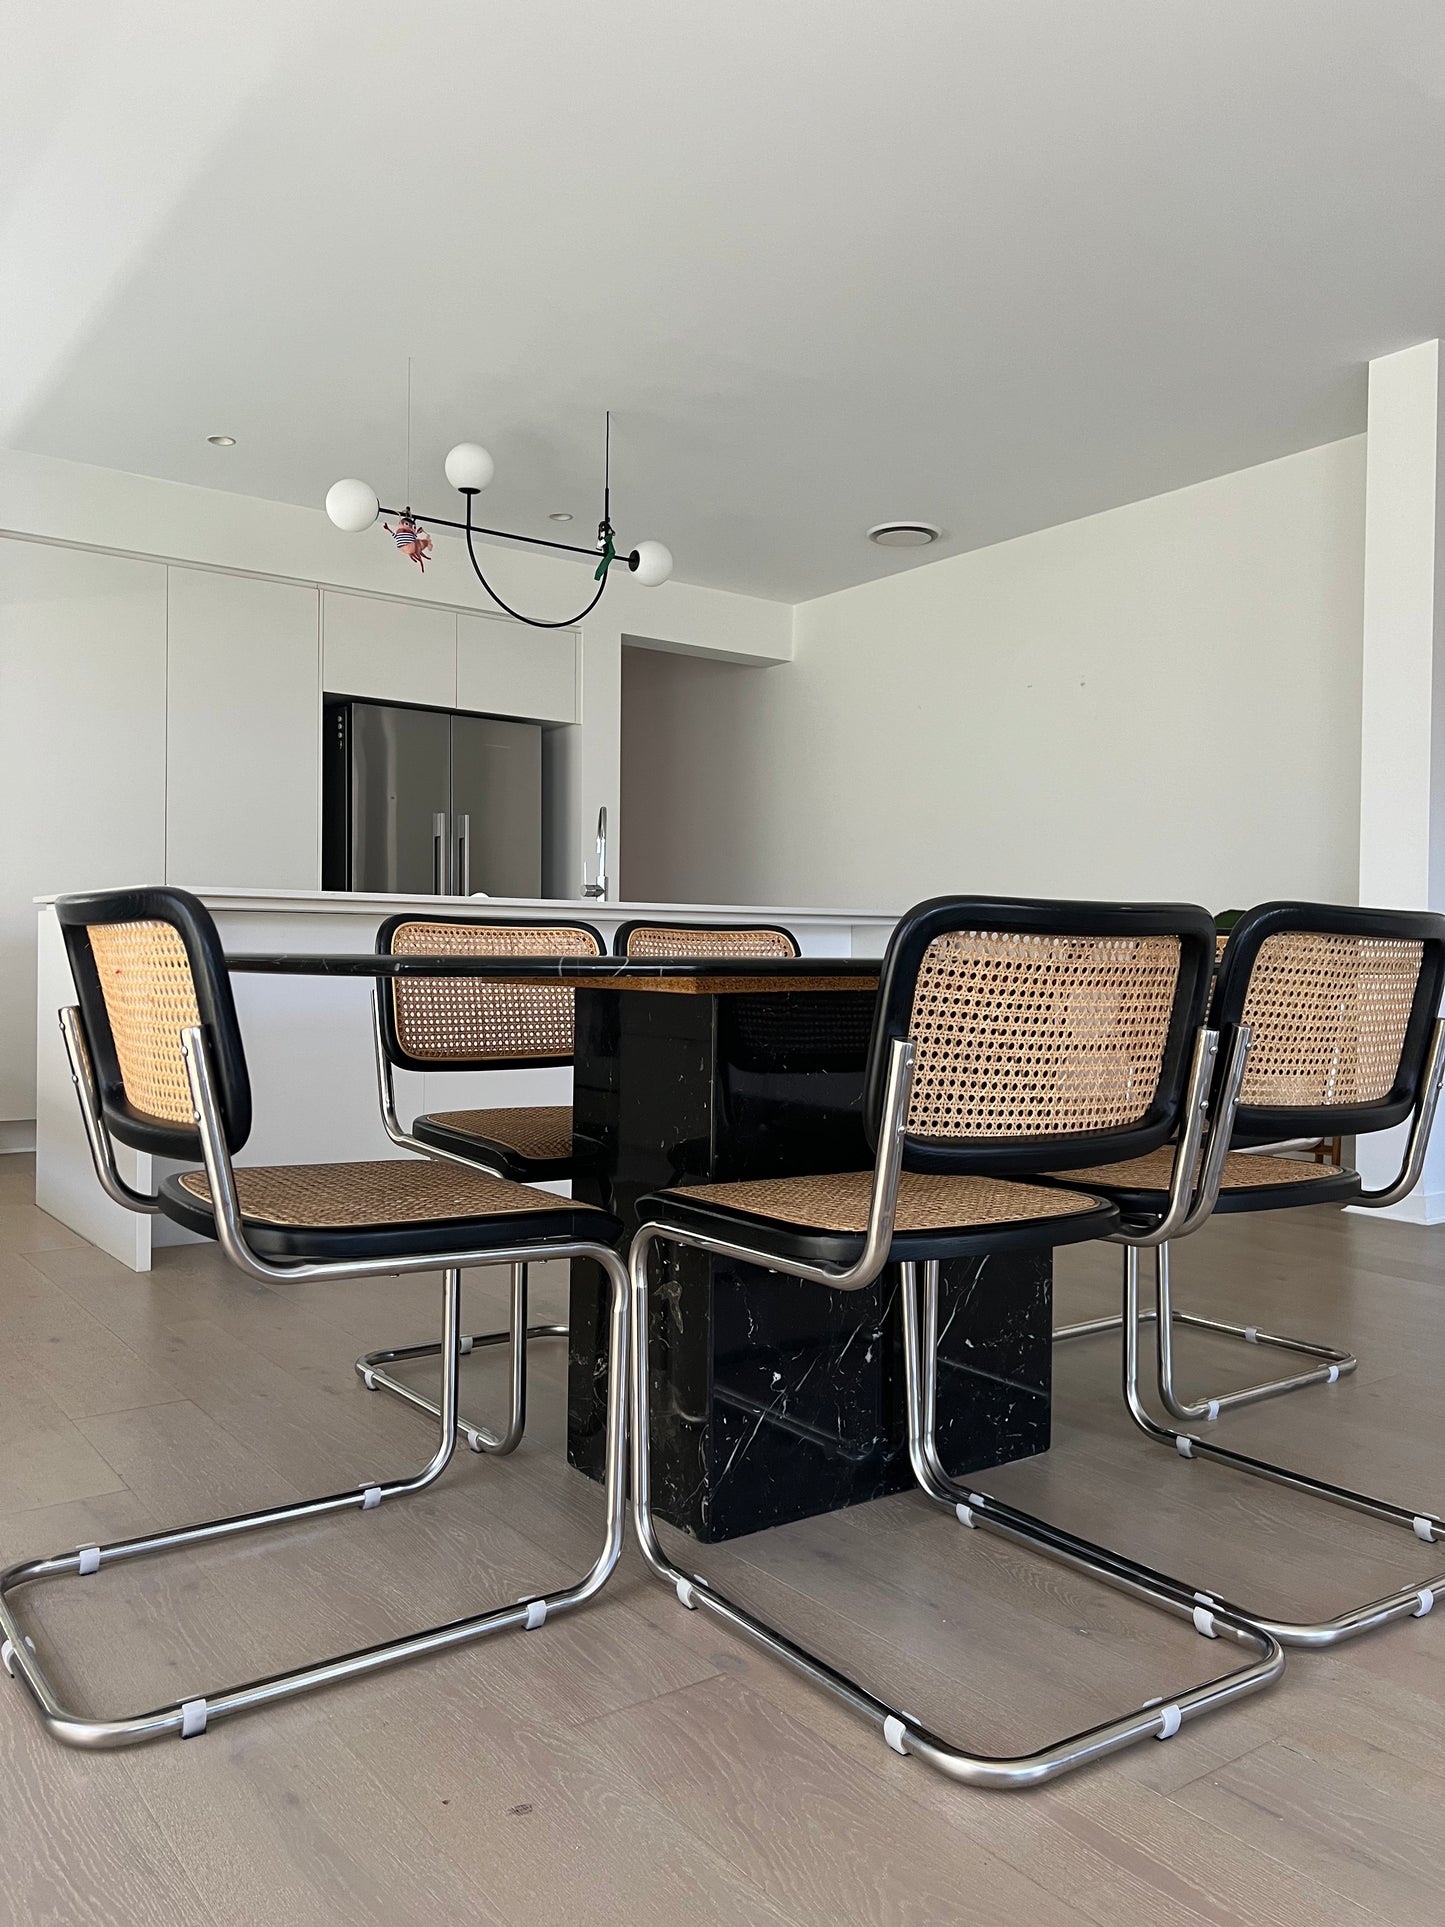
<point x="1402" y="735"/>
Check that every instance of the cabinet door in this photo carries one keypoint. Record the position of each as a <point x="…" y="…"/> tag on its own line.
<point x="504" y="669"/>
<point x="82" y="756"/>
<point x="243" y="733"/>
<point x="391" y="651"/>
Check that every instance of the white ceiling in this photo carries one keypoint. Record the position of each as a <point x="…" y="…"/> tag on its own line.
<point x="994" y="263"/>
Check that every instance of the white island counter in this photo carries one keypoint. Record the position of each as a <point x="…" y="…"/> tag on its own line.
<point x="309" y="1041"/>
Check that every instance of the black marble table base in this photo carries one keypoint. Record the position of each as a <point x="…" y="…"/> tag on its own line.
<point x="788" y="1400"/>
<point x="772" y="1399"/>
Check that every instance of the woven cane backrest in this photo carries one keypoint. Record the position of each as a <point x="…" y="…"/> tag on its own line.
<point x="148" y="965"/>
<point x="1027" y="1035"/>
<point x="477" y="1020"/>
<point x="1328" y="1015"/>
<point x="150" y="998"/>
<point x="680" y="940"/>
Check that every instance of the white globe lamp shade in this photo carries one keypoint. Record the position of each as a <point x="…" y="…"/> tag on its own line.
<point x="469" y="466"/>
<point x="352" y="505"/>
<point x="651" y="563"/>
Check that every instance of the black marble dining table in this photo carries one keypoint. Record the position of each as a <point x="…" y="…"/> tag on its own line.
<point x="772" y="1398"/>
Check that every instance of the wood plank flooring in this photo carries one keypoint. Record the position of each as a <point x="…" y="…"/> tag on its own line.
<point x="635" y="1764"/>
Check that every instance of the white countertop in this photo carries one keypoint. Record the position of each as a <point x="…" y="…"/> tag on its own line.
<point x="344" y="901"/>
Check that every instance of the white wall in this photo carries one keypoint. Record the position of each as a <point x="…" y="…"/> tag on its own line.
<point x="1160" y="701"/>
<point x="82" y="800"/>
<point x="1402" y="736"/>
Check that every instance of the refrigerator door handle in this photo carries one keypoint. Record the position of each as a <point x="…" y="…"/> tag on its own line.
<point x="438" y="852"/>
<point x="464" y="852"/>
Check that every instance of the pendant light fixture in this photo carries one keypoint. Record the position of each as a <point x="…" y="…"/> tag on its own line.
<point x="353" y="506"/>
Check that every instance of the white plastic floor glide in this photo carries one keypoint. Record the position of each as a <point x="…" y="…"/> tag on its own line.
<point x="89" y="1560"/>
<point x="1184" y="1445"/>
<point x="1424" y="1529"/>
<point x="1204" y="1622"/>
<point x="896" y="1734"/>
<point x="1172" y="1719"/>
<point x="7" y="1654"/>
<point x="1427" y="1601"/>
<point x="536" y="1614"/>
<point x="370" y="1497"/>
<point x="193" y="1718"/>
<point x="687" y="1594"/>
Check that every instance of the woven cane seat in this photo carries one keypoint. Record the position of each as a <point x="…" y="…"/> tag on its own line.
<point x="536" y="1131"/>
<point x="822" y="1219"/>
<point x="532" y="1143"/>
<point x="395" y="1207"/>
<point x="1250" y="1183"/>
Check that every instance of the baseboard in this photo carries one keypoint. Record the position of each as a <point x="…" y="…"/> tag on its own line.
<point x="1421" y="1207"/>
<point x="17" y="1135"/>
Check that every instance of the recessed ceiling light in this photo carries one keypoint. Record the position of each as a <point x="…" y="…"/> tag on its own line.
<point x="560" y="515"/>
<point x="221" y="441"/>
<point x="903" y="535"/>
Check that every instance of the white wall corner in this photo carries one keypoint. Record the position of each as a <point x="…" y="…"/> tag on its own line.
<point x="1402" y="706"/>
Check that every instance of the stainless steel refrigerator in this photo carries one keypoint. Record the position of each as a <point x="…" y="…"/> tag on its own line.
<point x="421" y="802"/>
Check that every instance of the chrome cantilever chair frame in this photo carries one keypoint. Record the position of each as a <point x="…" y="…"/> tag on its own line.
<point x="1334" y="1363"/>
<point x="1412" y="1601"/>
<point x="189" y="1717"/>
<point x="372" y="1367"/>
<point x="1164" y="1316"/>
<point x="905" y="1732"/>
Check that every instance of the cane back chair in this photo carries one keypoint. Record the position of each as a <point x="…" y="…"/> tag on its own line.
<point x="157" y="1058"/>
<point x="1331" y="1015"/>
<point x="435" y="1024"/>
<point x="1007" y="1036"/>
<point x="643" y="939"/>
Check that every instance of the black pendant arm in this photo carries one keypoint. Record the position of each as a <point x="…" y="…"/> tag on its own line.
<point x="566" y="622"/>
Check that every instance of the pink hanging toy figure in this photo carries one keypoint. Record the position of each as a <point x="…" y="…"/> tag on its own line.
<point x="411" y="540"/>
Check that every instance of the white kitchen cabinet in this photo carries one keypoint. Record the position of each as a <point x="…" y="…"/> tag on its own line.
<point x="243" y="732"/>
<point x="504" y="669"/>
<point x="392" y="651"/>
<point x="82" y="755"/>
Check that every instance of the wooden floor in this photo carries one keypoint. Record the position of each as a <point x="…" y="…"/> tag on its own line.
<point x="636" y="1764"/>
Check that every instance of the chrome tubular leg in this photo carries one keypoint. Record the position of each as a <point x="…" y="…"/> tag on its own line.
<point x="1408" y="1602"/>
<point x="904" y="1732"/>
<point x="371" y="1370"/>
<point x="1333" y="1364"/>
<point x="194" y="1715"/>
<point x="975" y="1508"/>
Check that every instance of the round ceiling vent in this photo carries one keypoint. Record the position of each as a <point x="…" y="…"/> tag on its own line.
<point x="903" y="535"/>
